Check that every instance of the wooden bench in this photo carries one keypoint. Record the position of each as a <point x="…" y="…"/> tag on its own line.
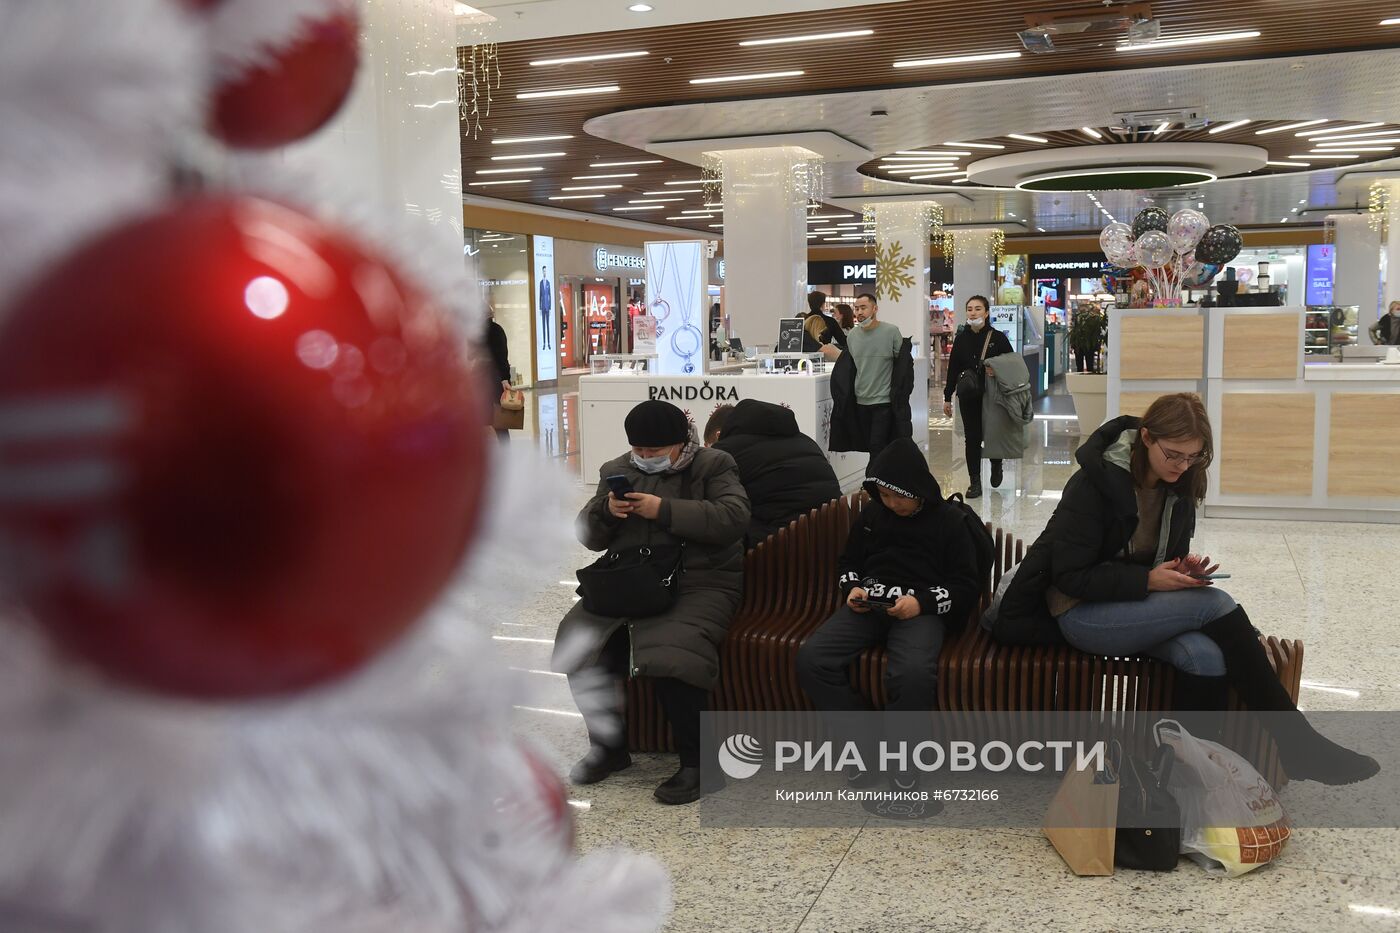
<point x="790" y="590"/>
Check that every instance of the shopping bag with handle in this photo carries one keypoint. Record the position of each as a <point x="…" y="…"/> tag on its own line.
<point x="1083" y="817"/>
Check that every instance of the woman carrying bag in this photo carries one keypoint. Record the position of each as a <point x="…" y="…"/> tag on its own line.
<point x="670" y="517"/>
<point x="1113" y="570"/>
<point x="976" y="343"/>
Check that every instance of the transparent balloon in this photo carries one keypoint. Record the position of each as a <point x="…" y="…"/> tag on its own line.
<point x="1114" y="233"/>
<point x="1186" y="228"/>
<point x="1153" y="249"/>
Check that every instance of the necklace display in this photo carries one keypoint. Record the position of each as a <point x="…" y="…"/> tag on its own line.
<point x="686" y="340"/>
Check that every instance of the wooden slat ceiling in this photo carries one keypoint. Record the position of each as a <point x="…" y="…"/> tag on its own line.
<point x="917" y="29"/>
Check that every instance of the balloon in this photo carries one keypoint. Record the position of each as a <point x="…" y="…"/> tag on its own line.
<point x="279" y="94"/>
<point x="1114" y="233"/>
<point x="1200" y="274"/>
<point x="1120" y="253"/>
<point x="1245" y="276"/>
<point x="242" y="453"/>
<point x="1219" y="245"/>
<point x="1186" y="228"/>
<point x="1153" y="249"/>
<point x="1149" y="218"/>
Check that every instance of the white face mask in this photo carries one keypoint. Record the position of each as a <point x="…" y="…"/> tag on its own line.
<point x="652" y="464"/>
<point x="867" y="323"/>
<point x="976" y="323"/>
<point x="1395" y="312"/>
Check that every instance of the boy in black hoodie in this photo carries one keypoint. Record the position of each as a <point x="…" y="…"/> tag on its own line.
<point x="911" y="547"/>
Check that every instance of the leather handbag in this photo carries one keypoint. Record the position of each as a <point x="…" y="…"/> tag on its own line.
<point x="1149" y="820"/>
<point x="972" y="384"/>
<point x="638" y="581"/>
<point x="509" y="413"/>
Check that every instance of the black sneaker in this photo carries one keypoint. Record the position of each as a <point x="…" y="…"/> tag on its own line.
<point x="974" y="491"/>
<point x="996" y="475"/>
<point x="683" y="787"/>
<point x="598" y="764"/>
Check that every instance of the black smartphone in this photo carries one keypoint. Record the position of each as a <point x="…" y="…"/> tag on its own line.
<point x="620" y="486"/>
<point x="873" y="603"/>
<point x="1212" y="576"/>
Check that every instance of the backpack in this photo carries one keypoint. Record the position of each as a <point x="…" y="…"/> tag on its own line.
<point x="984" y="547"/>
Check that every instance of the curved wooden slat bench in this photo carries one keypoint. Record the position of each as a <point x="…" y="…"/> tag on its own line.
<point x="790" y="590"/>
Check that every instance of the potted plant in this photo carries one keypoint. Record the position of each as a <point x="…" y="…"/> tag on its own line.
<point x="1088" y="332"/>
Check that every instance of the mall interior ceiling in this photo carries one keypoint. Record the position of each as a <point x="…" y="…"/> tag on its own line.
<point x="1050" y="117"/>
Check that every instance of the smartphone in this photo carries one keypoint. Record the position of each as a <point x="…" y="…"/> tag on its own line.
<point x="1213" y="576"/>
<point x="620" y="486"/>
<point x="873" y="603"/>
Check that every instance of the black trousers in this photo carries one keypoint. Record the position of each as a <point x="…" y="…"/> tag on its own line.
<point x="877" y="424"/>
<point x="682" y="702"/>
<point x="972" y="436"/>
<point x="911" y="675"/>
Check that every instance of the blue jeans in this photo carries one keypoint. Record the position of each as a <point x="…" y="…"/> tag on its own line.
<point x="1164" y="625"/>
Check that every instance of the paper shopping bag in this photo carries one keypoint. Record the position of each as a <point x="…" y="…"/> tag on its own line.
<point x="1082" y="819"/>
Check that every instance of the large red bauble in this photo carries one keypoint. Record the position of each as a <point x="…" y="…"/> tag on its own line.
<point x="238" y="453"/>
<point x="295" y="94"/>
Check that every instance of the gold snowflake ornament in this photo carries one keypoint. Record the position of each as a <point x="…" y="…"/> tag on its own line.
<point x="892" y="271"/>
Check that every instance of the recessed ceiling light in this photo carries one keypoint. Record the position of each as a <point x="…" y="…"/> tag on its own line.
<point x="1283" y="220"/>
<point x="718" y="205"/>
<point x="1040" y="229"/>
<point x="1190" y="40"/>
<point x="1371" y="135"/>
<point x="1336" y="141"/>
<point x="761" y="76"/>
<point x="716" y="226"/>
<point x="537" y="155"/>
<point x="1393" y="21"/>
<point x="688" y="181"/>
<point x="620" y="164"/>
<point x="510" y="140"/>
<point x="697" y="211"/>
<point x="656" y="201"/>
<point x="934" y="175"/>
<point x="977" y="145"/>
<point x="608" y="56"/>
<point x="590" y="188"/>
<point x="921" y="158"/>
<point x="601" y="177"/>
<point x="1354" y="149"/>
<point x="640" y="8"/>
<point x="1289" y="164"/>
<point x="652" y="207"/>
<point x="1303" y="201"/>
<point x="818" y="37"/>
<point x="513" y="181"/>
<point x="1027" y="139"/>
<point x="1325" y="155"/>
<point x="1090" y="131"/>
<point x="933" y="152"/>
<point x="825" y="217"/>
<point x="1224" y="127"/>
<point x="1331" y="130"/>
<point x="955" y="59"/>
<point x="1288" y="126"/>
<point x="688" y="217"/>
<point x="915" y="170"/>
<point x="676" y="191"/>
<point x="568" y="92"/>
<point x="574" y="197"/>
<point x="1161" y="129"/>
<point x="509" y="171"/>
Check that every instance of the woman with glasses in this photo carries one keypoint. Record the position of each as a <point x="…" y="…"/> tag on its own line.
<point x="1115" y="572"/>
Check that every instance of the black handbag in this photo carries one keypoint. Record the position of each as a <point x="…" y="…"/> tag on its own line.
<point x="635" y="582"/>
<point x="1148" y="837"/>
<point x="972" y="384"/>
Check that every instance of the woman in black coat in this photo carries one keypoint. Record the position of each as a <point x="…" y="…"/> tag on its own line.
<point x="1113" y="570"/>
<point x="978" y="340"/>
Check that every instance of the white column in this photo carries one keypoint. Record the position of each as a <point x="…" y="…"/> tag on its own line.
<point x="902" y="235"/>
<point x="765" y="241"/>
<point x="972" y="270"/>
<point x="1392" y="253"/>
<point x="1358" y="269"/>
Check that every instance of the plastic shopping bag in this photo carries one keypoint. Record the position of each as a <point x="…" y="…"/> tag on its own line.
<point x="1232" y="821"/>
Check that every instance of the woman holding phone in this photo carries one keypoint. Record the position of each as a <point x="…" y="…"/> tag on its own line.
<point x="683" y="505"/>
<point x="1114" y="570"/>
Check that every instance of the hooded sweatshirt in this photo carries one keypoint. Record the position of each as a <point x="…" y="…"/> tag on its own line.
<point x="785" y="472"/>
<point x="929" y="555"/>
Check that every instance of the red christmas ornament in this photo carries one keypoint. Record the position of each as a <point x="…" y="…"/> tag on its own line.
<point x="551" y="803"/>
<point x="294" y="88"/>
<point x="238" y="453"/>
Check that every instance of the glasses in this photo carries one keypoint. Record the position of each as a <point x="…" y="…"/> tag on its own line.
<point x="1174" y="456"/>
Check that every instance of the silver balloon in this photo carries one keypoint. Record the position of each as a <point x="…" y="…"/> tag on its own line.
<point x="1186" y="228"/>
<point x="1154" y="250"/>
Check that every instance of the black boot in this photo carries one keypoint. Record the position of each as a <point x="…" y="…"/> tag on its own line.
<point x="600" y="762"/>
<point x="975" y="490"/>
<point x="996" y="474"/>
<point x="1306" y="755"/>
<point x="1200" y="702"/>
<point x="683" y="787"/>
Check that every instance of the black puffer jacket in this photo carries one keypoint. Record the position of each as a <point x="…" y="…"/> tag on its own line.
<point x="784" y="472"/>
<point x="929" y="555"/>
<point x="845" y="422"/>
<point x="967" y="348"/>
<point x="1078" y="551"/>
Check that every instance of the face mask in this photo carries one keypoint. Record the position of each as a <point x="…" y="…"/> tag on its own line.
<point x="652" y="464"/>
<point x="867" y="323"/>
<point x="976" y="323"/>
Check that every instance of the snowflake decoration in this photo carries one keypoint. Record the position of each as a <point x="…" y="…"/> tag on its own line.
<point x="892" y="271"/>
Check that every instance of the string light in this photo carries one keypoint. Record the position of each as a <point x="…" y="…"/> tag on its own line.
<point x="884" y="223"/>
<point x="478" y="75"/>
<point x="801" y="176"/>
<point x="1380" y="207"/>
<point x="973" y="244"/>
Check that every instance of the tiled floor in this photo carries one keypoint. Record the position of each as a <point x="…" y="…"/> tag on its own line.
<point x="1332" y="585"/>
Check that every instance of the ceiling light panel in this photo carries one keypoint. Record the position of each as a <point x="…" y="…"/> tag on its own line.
<point x="605" y="57"/>
<point x="977" y="145"/>
<point x="1329" y="130"/>
<point x="590" y="187"/>
<point x="956" y="60"/>
<point x="1039" y="140"/>
<point x="621" y="164"/>
<point x="513" y="181"/>
<point x="602" y="177"/>
<point x="536" y="155"/>
<point x="817" y="37"/>
<point x="510" y="171"/>
<point x="1288" y="126"/>
<point x="574" y="197"/>
<point x="1190" y="40"/>
<point x="512" y="140"/>
<point x="569" y="92"/>
<point x="1226" y="127"/>
<point x="1330" y="138"/>
<point x="1091" y="132"/>
<point x="761" y="76"/>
